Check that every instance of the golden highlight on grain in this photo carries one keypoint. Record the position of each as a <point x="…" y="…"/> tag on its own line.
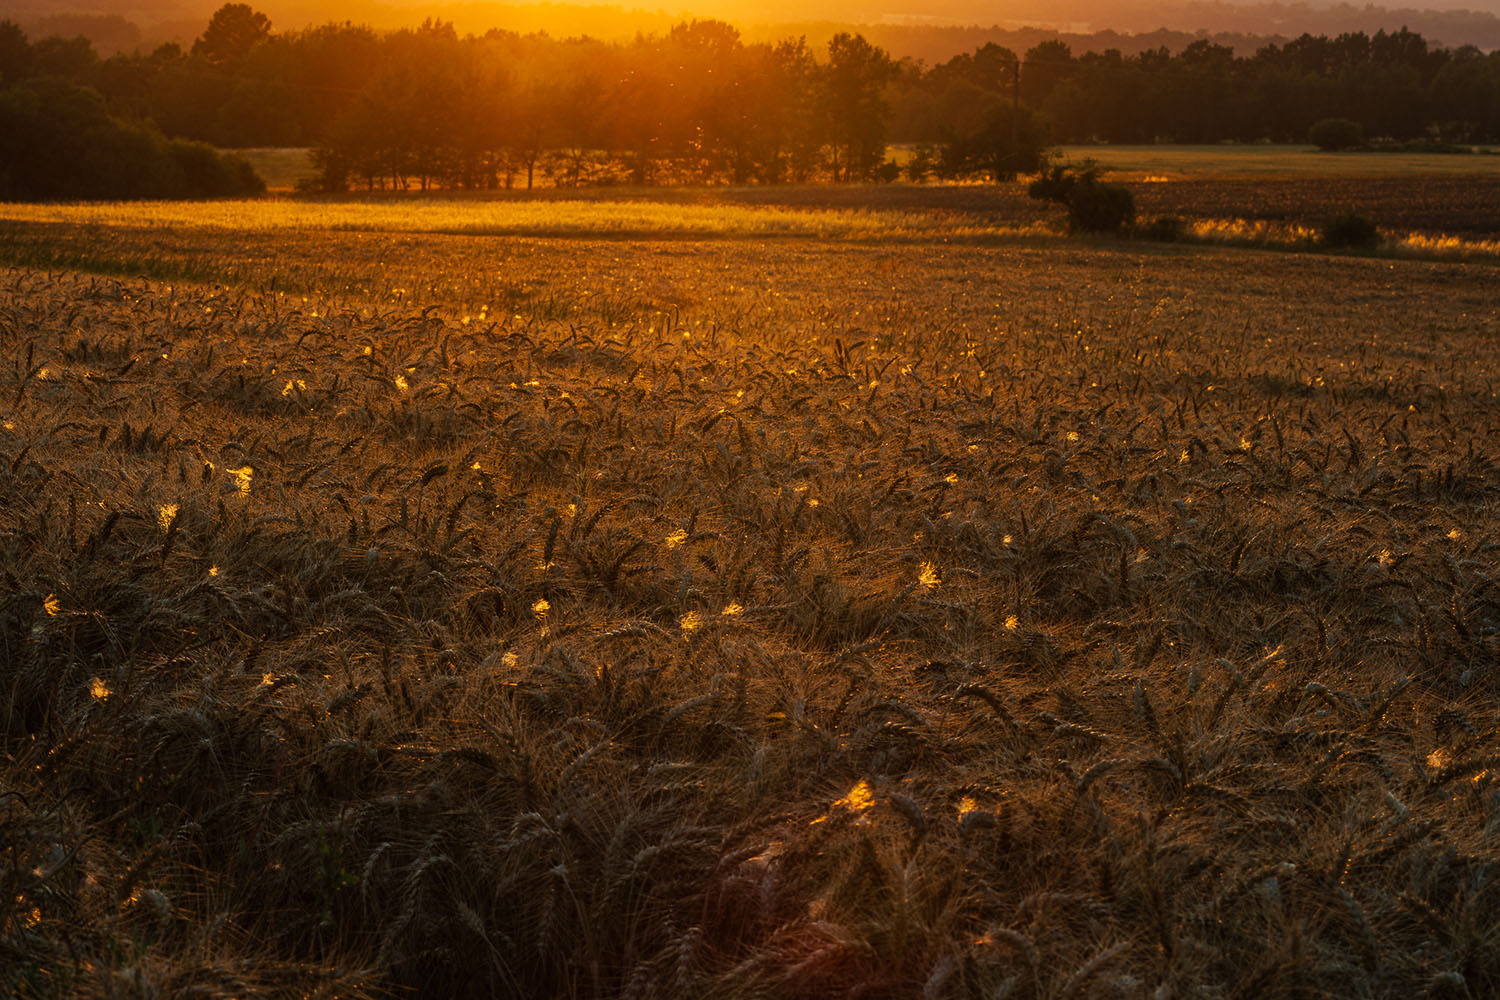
<point x="346" y="666"/>
<point x="857" y="800"/>
<point x="243" y="477"/>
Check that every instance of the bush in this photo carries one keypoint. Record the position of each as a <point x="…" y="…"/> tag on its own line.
<point x="921" y="165"/>
<point x="1100" y="208"/>
<point x="63" y="144"/>
<point x="1093" y="206"/>
<point x="997" y="142"/>
<point x="1349" y="229"/>
<point x="207" y="173"/>
<point x="1163" y="229"/>
<point x="1334" y="134"/>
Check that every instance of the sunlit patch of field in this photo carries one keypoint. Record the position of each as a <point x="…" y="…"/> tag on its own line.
<point x="1422" y="244"/>
<point x="1266" y="234"/>
<point x="1432" y="217"/>
<point x="745" y="618"/>
<point x="282" y="168"/>
<point x="513" y="217"/>
<point x="1147" y="163"/>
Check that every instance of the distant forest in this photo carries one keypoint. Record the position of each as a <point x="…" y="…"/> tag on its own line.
<point x="426" y="107"/>
<point x="945" y="29"/>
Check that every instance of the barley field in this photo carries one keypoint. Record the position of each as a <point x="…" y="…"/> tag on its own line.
<point x="849" y="611"/>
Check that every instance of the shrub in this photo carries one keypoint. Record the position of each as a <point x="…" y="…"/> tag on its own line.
<point x="1349" y="229"/>
<point x="207" y="173"/>
<point x="1100" y="208"/>
<point x="921" y="165"/>
<point x="1163" y="229"/>
<point x="1334" y="134"/>
<point x="1093" y="206"/>
<point x="997" y="141"/>
<point x="63" y="144"/>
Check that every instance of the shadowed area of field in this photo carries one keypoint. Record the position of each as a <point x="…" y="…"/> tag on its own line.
<point x="746" y="618"/>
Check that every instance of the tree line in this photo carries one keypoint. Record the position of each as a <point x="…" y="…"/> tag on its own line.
<point x="59" y="142"/>
<point x="427" y="107"/>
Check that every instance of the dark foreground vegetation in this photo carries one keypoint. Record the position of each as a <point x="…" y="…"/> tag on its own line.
<point x="750" y="619"/>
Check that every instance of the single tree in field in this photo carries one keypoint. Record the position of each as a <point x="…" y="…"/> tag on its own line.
<point x="232" y="32"/>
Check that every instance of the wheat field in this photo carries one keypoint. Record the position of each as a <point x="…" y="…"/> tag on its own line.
<point x="406" y="613"/>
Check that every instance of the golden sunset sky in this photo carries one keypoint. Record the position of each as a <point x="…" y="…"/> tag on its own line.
<point x="760" y="20"/>
<point x="1081" y="14"/>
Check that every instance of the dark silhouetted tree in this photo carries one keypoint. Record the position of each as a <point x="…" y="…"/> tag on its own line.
<point x="62" y="143"/>
<point x="997" y="140"/>
<point x="65" y="58"/>
<point x="232" y="32"/>
<point x="15" y="54"/>
<point x="1334" y="134"/>
<point x="1046" y="66"/>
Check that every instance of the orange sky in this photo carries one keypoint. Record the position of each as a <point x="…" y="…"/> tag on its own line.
<point x="1098" y="14"/>
<point x="159" y="19"/>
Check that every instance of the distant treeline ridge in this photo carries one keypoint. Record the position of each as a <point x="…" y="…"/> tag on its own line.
<point x="427" y="106"/>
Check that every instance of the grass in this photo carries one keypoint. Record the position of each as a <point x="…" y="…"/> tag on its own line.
<point x="280" y="167"/>
<point x="1137" y="163"/>
<point x="1441" y="216"/>
<point x="745" y="618"/>
<point x="553" y="217"/>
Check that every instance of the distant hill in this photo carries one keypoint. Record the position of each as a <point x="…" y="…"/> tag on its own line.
<point x="932" y="30"/>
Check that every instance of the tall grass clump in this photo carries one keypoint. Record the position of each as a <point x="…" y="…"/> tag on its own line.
<point x="1093" y="205"/>
<point x="1349" y="230"/>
